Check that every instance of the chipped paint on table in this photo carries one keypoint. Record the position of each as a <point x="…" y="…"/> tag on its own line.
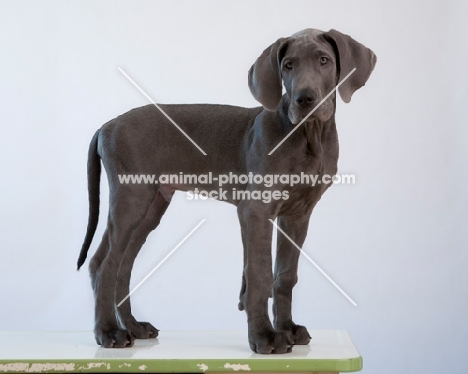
<point x="172" y="352"/>
<point x="237" y="367"/>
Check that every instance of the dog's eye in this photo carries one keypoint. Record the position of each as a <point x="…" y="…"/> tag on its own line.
<point x="288" y="65"/>
<point x="324" y="60"/>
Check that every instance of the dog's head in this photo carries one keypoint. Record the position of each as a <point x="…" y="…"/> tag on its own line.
<point x="310" y="64"/>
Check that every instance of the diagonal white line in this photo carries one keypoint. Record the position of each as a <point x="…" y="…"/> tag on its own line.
<point x="312" y="111"/>
<point x="162" y="111"/>
<point x="314" y="263"/>
<point x="162" y="261"/>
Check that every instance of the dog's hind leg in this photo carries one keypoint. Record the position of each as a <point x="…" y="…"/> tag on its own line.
<point x="140" y="330"/>
<point x="97" y="259"/>
<point x="285" y="275"/>
<point x="128" y="210"/>
<point x="241" y="304"/>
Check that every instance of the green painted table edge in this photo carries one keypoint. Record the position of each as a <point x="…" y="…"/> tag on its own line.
<point x="179" y="366"/>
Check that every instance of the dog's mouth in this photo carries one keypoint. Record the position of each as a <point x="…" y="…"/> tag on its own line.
<point x="296" y="116"/>
<point x="322" y="113"/>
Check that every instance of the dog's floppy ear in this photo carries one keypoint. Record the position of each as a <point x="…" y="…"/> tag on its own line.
<point x="351" y="54"/>
<point x="265" y="81"/>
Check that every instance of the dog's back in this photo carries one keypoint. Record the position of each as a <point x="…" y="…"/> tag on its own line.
<point x="143" y="140"/>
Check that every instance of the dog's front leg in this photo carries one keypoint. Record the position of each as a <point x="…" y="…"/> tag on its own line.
<point x="287" y="256"/>
<point x="257" y="232"/>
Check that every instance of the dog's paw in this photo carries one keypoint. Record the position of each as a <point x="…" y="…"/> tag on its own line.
<point x="114" y="338"/>
<point x="300" y="335"/>
<point x="275" y="342"/>
<point x="142" y="330"/>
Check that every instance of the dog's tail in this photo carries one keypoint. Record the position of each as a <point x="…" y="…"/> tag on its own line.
<point x="94" y="176"/>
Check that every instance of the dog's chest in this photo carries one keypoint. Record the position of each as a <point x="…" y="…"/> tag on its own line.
<point x="316" y="167"/>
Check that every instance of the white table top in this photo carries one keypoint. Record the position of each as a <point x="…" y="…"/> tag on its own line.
<point x="172" y="351"/>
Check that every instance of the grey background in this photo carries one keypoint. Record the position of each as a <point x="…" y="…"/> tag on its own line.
<point x="394" y="241"/>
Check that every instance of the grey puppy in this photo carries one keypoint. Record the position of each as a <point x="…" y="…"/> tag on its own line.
<point x="237" y="140"/>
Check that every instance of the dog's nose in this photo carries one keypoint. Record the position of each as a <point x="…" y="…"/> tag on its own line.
<point x="305" y="97"/>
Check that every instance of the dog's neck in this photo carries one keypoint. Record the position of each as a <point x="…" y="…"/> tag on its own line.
<point x="313" y="131"/>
